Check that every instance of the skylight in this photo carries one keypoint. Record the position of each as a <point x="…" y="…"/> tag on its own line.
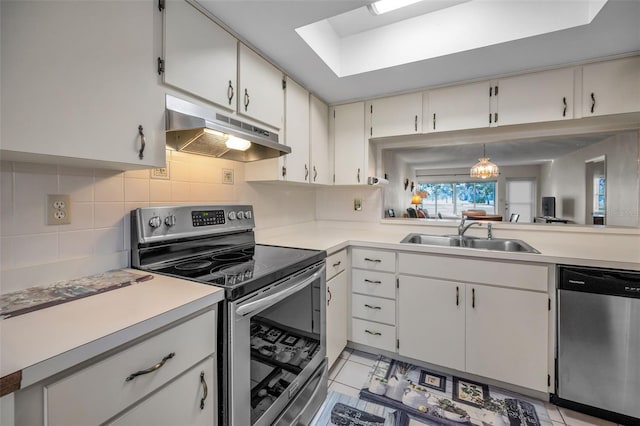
<point x="448" y="27"/>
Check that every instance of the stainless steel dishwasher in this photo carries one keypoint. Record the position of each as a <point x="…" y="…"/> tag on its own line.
<point x="598" y="347"/>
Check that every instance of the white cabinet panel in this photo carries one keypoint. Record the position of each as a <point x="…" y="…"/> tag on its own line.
<point x="382" y="284"/>
<point x="506" y="330"/>
<point x="337" y="318"/>
<point x="321" y="164"/>
<point x="297" y="132"/>
<point x="375" y="260"/>
<point x="183" y="402"/>
<point x="349" y="144"/>
<point x="536" y="97"/>
<point x="336" y="263"/>
<point x="77" y="87"/>
<point x="466" y="106"/>
<point x="396" y="115"/>
<point x="611" y="87"/>
<point x="431" y="321"/>
<point x="261" y="95"/>
<point x="200" y="57"/>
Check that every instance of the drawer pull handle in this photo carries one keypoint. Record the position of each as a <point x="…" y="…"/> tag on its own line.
<point x="366" y="280"/>
<point x="205" y="390"/>
<point x="373" y="333"/>
<point x="335" y="265"/>
<point x="371" y="307"/>
<point x="143" y="142"/>
<point x="372" y="260"/>
<point x="151" y="369"/>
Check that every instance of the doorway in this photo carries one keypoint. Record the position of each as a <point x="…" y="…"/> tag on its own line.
<point x="520" y="199"/>
<point x="596" y="191"/>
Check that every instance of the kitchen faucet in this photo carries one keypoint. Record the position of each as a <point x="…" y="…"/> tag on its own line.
<point x="462" y="228"/>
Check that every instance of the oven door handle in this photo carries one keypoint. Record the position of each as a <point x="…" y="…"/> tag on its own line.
<point x="281" y="295"/>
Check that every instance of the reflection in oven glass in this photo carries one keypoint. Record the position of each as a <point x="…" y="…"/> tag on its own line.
<point x="284" y="340"/>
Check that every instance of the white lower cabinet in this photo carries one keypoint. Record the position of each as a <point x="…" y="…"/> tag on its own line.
<point x="189" y="400"/>
<point x="337" y="319"/>
<point x="154" y="369"/>
<point x="374" y="334"/>
<point x="484" y="327"/>
<point x="431" y="319"/>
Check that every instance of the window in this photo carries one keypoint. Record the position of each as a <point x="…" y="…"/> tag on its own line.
<point x="452" y="198"/>
<point x="599" y="196"/>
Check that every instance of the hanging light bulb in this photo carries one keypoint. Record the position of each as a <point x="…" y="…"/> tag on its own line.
<point x="484" y="168"/>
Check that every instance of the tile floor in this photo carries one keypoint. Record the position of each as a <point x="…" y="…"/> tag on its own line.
<point x="350" y="371"/>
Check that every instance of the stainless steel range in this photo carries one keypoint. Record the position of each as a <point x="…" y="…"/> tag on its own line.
<point x="272" y="366"/>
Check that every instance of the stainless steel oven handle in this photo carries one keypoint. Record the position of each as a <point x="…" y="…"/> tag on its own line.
<point x="276" y="297"/>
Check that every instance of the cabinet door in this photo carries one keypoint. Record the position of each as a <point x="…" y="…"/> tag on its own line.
<point x="396" y="115"/>
<point x="431" y="321"/>
<point x="189" y="400"/>
<point x="337" y="295"/>
<point x="506" y="330"/>
<point x="261" y="95"/>
<point x="77" y="87"/>
<point x="200" y="57"/>
<point x="297" y="132"/>
<point x="611" y="87"/>
<point x="349" y="144"/>
<point x="536" y="97"/>
<point x="321" y="167"/>
<point x="466" y="106"/>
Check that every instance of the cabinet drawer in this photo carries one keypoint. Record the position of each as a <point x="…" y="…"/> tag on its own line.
<point x="381" y="284"/>
<point x="98" y="392"/>
<point x="375" y="260"/>
<point x="182" y="402"/>
<point x="336" y="263"/>
<point x="373" y="334"/>
<point x="373" y="308"/>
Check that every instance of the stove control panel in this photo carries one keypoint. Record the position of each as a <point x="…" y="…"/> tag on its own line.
<point x="207" y="218"/>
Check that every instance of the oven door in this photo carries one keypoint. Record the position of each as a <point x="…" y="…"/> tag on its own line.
<point x="277" y="342"/>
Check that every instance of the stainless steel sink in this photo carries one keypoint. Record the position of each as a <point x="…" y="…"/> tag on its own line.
<point x="498" y="244"/>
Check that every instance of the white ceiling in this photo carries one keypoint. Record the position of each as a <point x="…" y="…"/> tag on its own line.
<point x="269" y="26"/>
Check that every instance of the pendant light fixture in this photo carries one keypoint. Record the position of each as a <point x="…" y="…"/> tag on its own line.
<point x="484" y="168"/>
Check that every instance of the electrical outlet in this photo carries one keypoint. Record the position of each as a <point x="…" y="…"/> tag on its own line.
<point x="160" y="172"/>
<point x="58" y="209"/>
<point x="357" y="204"/>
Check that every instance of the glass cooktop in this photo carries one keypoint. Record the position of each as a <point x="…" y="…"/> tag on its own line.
<point x="243" y="270"/>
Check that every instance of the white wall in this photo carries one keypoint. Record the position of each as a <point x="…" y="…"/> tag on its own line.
<point x="33" y="253"/>
<point x="622" y="153"/>
<point x="395" y="196"/>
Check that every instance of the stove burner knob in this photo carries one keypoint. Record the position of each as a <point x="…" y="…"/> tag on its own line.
<point x="247" y="214"/>
<point x="170" y="220"/>
<point x="240" y="215"/>
<point x="232" y="215"/>
<point x="155" y="222"/>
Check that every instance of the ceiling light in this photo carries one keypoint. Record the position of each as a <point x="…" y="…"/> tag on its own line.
<point x="237" y="143"/>
<point x="484" y="168"/>
<point x="384" y="6"/>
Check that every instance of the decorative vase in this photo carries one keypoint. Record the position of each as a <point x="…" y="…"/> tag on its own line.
<point x="397" y="386"/>
<point x="414" y="398"/>
<point x="377" y="387"/>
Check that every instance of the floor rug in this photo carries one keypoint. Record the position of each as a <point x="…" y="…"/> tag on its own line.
<point x="402" y="394"/>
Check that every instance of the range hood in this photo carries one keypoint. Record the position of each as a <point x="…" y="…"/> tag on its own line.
<point x="197" y="130"/>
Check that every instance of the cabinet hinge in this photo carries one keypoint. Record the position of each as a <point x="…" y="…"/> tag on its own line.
<point x="160" y="66"/>
<point x="495" y="114"/>
<point x="397" y="282"/>
<point x="334" y="178"/>
<point x="549" y="304"/>
<point x="284" y="84"/>
<point x="495" y="91"/>
<point x="490" y="91"/>
<point x="371" y="108"/>
<point x="548" y="379"/>
<point x="370" y="131"/>
<point x="397" y="343"/>
<point x="160" y="5"/>
<point x="284" y="171"/>
<point x="334" y="113"/>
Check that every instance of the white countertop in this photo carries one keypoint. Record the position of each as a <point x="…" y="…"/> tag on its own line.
<point x="44" y="342"/>
<point x="610" y="248"/>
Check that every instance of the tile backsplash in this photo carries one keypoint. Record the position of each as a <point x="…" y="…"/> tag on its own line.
<point x="98" y="237"/>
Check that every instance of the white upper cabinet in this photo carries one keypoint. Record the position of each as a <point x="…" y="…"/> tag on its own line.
<point x="81" y="90"/>
<point x="261" y="94"/>
<point x="321" y="164"/>
<point x="297" y="133"/>
<point x="396" y="115"/>
<point x="349" y="144"/>
<point x="466" y="106"/>
<point x="536" y="97"/>
<point x="611" y="87"/>
<point x="200" y="57"/>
